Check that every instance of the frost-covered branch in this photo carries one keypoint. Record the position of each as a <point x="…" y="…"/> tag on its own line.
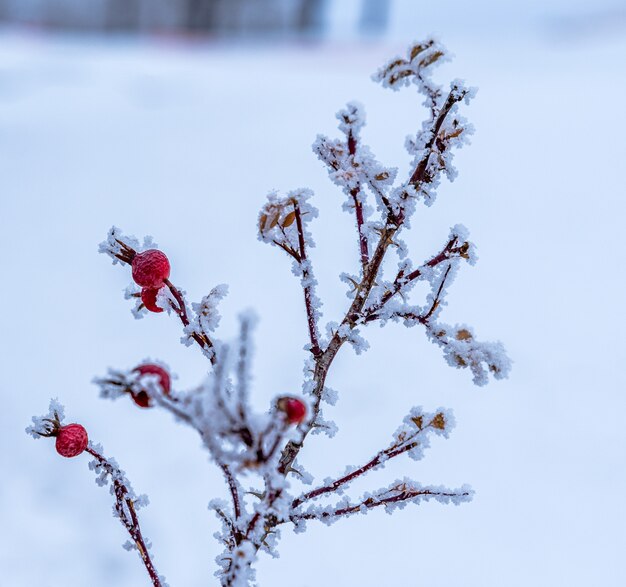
<point x="308" y="283"/>
<point x="462" y="350"/>
<point x="409" y="438"/>
<point x="234" y="489"/>
<point x="71" y="441"/>
<point x="398" y="495"/>
<point x="259" y="453"/>
<point x="126" y="505"/>
<point x="282" y="222"/>
<point x="404" y="279"/>
<point x="151" y="270"/>
<point x="431" y="150"/>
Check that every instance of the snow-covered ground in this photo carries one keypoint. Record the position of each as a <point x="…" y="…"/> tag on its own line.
<point x="182" y="141"/>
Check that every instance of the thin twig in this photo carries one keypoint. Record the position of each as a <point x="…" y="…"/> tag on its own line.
<point x="373" y="502"/>
<point x="308" y="287"/>
<point x="381" y="457"/>
<point x="234" y="491"/>
<point x="180" y="308"/>
<point x="402" y="280"/>
<point x="124" y="504"/>
<point x="358" y="206"/>
<point x="419" y="175"/>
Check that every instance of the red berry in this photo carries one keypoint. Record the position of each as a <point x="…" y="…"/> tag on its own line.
<point x="148" y="297"/>
<point x="71" y="440"/>
<point x="150" y="268"/>
<point x="294" y="409"/>
<point x="141" y="398"/>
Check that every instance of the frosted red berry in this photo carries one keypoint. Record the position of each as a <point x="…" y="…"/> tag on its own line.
<point x="294" y="409"/>
<point x="150" y="268"/>
<point x="71" y="440"/>
<point x="141" y="398"/>
<point x="149" y="297"/>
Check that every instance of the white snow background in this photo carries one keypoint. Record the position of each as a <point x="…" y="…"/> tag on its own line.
<point x="182" y="141"/>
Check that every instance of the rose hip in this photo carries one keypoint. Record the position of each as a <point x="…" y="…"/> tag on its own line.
<point x="150" y="268"/>
<point x="294" y="409"/>
<point x="141" y="398"/>
<point x="71" y="440"/>
<point x="149" y="299"/>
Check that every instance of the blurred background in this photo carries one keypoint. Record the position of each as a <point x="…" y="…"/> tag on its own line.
<point x="297" y="18"/>
<point x="174" y="118"/>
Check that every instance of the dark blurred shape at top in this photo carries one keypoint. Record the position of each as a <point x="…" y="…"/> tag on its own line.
<point x="216" y="17"/>
<point x="374" y="16"/>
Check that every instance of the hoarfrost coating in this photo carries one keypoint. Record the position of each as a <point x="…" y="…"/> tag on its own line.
<point x="261" y="455"/>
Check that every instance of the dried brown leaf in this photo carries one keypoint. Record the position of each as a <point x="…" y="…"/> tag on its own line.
<point x="439" y="421"/>
<point x="431" y="59"/>
<point x="417" y="49"/>
<point x="289" y="219"/>
<point x="464" y="334"/>
<point x="418" y="421"/>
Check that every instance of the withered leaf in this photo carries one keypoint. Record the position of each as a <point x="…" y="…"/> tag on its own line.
<point x="417" y="49"/>
<point x="439" y="421"/>
<point x="274" y="220"/>
<point x="431" y="59"/>
<point x="418" y="421"/>
<point x="464" y="334"/>
<point x="289" y="219"/>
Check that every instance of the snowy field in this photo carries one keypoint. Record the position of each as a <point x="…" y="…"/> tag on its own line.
<point x="182" y="141"/>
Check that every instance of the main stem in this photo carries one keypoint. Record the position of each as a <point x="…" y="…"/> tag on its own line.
<point x="325" y="359"/>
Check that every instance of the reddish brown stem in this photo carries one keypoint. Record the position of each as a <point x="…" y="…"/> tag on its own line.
<point x="373" y="502"/>
<point x="402" y="280"/>
<point x="234" y="491"/>
<point x="436" y="301"/>
<point x="308" y="288"/>
<point x="271" y="499"/>
<point x="180" y="308"/>
<point x="325" y="359"/>
<point x="124" y="503"/>
<point x="358" y="207"/>
<point x="419" y="175"/>
<point x="382" y="456"/>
